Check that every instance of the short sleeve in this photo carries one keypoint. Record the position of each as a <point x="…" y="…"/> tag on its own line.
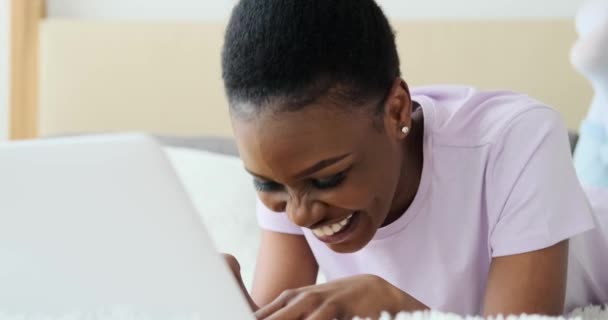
<point x="275" y="221"/>
<point x="535" y="198"/>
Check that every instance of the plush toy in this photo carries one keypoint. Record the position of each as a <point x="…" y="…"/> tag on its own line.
<point x="589" y="251"/>
<point x="590" y="57"/>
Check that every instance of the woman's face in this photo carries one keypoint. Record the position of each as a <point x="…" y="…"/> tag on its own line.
<point x="331" y="170"/>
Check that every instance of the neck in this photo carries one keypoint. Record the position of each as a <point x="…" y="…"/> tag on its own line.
<point x="598" y="111"/>
<point x="411" y="170"/>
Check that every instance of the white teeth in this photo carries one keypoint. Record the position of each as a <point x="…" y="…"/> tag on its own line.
<point x="318" y="232"/>
<point x="331" y="229"/>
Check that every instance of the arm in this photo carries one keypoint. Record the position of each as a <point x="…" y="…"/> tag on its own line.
<point x="532" y="283"/>
<point x="536" y="204"/>
<point x="284" y="262"/>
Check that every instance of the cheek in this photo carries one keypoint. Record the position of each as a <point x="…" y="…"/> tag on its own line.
<point x="275" y="201"/>
<point x="359" y="193"/>
<point x="370" y="189"/>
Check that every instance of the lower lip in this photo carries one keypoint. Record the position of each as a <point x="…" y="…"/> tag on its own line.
<point x="344" y="233"/>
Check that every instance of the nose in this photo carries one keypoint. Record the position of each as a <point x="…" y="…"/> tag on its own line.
<point x="305" y="213"/>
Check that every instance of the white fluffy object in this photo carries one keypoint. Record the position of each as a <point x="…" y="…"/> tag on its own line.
<point x="588" y="313"/>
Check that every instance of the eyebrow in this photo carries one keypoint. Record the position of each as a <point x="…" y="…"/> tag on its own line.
<point x="310" y="170"/>
<point x="257" y="175"/>
<point x="321" y="165"/>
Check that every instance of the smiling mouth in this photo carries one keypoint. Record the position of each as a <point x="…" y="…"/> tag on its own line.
<point x="330" y="230"/>
<point x="337" y="231"/>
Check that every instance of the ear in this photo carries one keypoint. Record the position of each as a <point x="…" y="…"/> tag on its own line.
<point x="398" y="110"/>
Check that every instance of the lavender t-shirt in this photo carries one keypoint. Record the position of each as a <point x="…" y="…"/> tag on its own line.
<point x="497" y="180"/>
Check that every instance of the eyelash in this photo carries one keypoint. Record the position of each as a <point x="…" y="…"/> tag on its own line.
<point x="321" y="184"/>
<point x="266" y="186"/>
<point x="330" y="182"/>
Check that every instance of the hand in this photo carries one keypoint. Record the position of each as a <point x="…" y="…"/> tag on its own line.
<point x="235" y="267"/>
<point x="362" y="296"/>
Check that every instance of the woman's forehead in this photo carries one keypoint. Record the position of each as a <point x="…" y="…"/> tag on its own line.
<point x="289" y="141"/>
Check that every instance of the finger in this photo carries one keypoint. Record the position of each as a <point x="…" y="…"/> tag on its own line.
<point x="252" y="305"/>
<point x="233" y="263"/>
<point x="299" y="307"/>
<point x="235" y="267"/>
<point x="276" y="305"/>
<point x="327" y="311"/>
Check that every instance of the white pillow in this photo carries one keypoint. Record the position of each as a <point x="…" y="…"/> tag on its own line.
<point x="225" y="198"/>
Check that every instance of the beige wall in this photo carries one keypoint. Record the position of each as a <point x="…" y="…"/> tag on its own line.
<point x="526" y="56"/>
<point x="100" y="76"/>
<point x="166" y="77"/>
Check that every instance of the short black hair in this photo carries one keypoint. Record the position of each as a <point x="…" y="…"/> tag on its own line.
<point x="297" y="51"/>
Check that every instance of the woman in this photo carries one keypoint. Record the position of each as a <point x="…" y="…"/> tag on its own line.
<point x="441" y="197"/>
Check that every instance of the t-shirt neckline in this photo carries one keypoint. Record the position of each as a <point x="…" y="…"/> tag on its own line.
<point x="428" y="109"/>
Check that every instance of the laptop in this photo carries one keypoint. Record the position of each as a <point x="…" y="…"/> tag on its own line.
<point x="99" y="223"/>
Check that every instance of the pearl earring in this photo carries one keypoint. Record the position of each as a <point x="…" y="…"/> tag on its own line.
<point x="405" y="130"/>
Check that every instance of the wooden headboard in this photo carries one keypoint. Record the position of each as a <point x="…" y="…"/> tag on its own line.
<point x="166" y="77"/>
<point x="25" y="18"/>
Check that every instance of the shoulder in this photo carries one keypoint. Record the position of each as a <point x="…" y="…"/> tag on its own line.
<point x="468" y="117"/>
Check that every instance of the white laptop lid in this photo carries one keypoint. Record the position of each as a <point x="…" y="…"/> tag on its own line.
<point x="100" y="222"/>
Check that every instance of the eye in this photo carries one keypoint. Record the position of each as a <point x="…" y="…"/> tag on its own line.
<point x="266" y="186"/>
<point x="331" y="182"/>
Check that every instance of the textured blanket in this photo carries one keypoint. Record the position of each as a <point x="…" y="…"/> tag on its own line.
<point x="588" y="313"/>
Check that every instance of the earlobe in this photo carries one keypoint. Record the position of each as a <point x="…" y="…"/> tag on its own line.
<point x="401" y="105"/>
